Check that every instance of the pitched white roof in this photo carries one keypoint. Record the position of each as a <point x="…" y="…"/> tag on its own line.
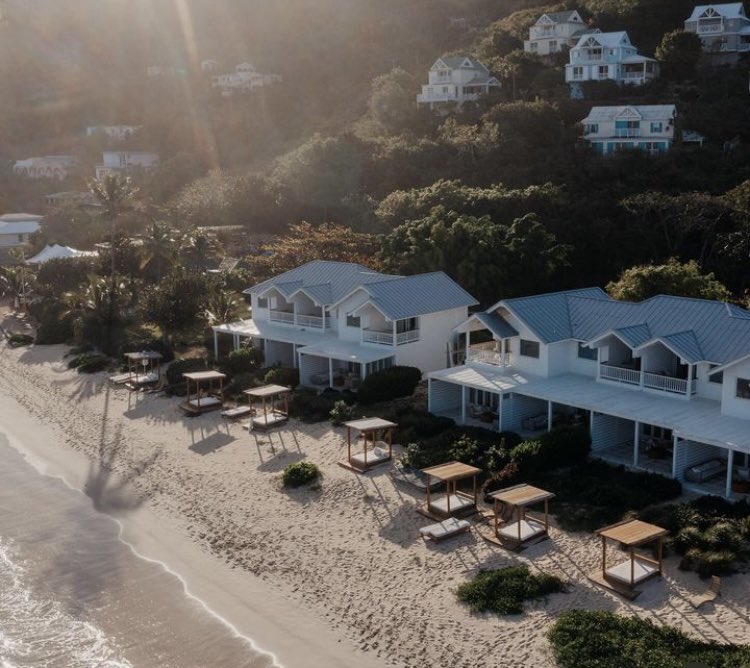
<point x="610" y="39"/>
<point x="560" y="17"/>
<point x="19" y="223"/>
<point x="20" y="218"/>
<point x="647" y="112"/>
<point x="729" y="10"/>
<point x="57" y="252"/>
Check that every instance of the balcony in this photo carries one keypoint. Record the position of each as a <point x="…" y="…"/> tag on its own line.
<point x="710" y="28"/>
<point x="387" y="338"/>
<point x="656" y="381"/>
<point x="485" y="353"/>
<point x="286" y="317"/>
<point x="646" y="379"/>
<point x="310" y="321"/>
<point x="627" y="133"/>
<point x="620" y="375"/>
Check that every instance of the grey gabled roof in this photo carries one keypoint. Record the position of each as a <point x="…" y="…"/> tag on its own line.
<point x="461" y="62"/>
<point x="698" y="330"/>
<point x="647" y="112"/>
<point x="561" y="17"/>
<point x="397" y="297"/>
<point x="412" y="296"/>
<point x="498" y="325"/>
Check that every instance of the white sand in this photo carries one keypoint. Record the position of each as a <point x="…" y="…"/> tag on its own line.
<point x="299" y="570"/>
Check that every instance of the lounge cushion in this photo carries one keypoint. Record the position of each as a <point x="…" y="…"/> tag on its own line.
<point x="205" y="402"/>
<point x="445" y="528"/>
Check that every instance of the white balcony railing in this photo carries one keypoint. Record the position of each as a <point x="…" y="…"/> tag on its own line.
<point x="310" y="321"/>
<point x="407" y="337"/>
<point x="627" y="133"/>
<point x="620" y="375"/>
<point x="281" y="316"/>
<point x="487" y="355"/>
<point x="375" y="336"/>
<point x="710" y="28"/>
<point x="656" y="381"/>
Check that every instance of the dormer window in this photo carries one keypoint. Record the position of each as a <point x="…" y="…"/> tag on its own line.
<point x="262" y="302"/>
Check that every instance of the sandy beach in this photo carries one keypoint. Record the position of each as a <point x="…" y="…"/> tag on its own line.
<point x="336" y="576"/>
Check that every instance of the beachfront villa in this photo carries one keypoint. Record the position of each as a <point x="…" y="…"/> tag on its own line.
<point x="16" y="229"/>
<point x="115" y="162"/>
<point x="724" y="30"/>
<point x="337" y="322"/>
<point x="644" y="127"/>
<point x="456" y="79"/>
<point x="663" y="384"/>
<point x="607" y="56"/>
<point x="556" y="31"/>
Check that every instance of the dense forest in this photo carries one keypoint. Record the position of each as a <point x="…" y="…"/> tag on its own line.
<point x="501" y="194"/>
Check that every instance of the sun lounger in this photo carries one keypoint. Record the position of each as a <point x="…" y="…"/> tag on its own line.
<point x="445" y="529"/>
<point x="713" y="592"/>
<point x="204" y="402"/>
<point x="237" y="412"/>
<point x="642" y="570"/>
<point x="375" y="456"/>
<point x="119" y="379"/>
<point x="458" y="502"/>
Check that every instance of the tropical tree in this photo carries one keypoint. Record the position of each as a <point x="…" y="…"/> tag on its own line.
<point x="159" y="248"/>
<point x="679" y="52"/>
<point x="671" y="278"/>
<point x="177" y="303"/>
<point x="198" y="249"/>
<point x="222" y="305"/>
<point x="16" y="283"/>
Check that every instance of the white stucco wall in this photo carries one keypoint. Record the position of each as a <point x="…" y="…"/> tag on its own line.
<point x="430" y="353"/>
<point x="730" y="403"/>
<point x="704" y="388"/>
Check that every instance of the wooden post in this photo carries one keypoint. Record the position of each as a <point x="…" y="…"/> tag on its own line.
<point x="390" y="442"/>
<point x="632" y="566"/>
<point x="349" y="444"/>
<point x="364" y="434"/>
<point x="448" y="496"/>
<point x="636" y="441"/>
<point x="661" y="551"/>
<point x="549" y="416"/>
<point x="546" y="514"/>
<point x="730" y="466"/>
<point x="521" y="518"/>
<point x="604" y="557"/>
<point x="428" y="492"/>
<point x="475" y="490"/>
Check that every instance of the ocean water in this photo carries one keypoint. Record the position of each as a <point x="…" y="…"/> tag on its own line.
<point x="73" y="594"/>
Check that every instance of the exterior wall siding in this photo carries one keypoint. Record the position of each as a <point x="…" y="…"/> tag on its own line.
<point x="690" y="453"/>
<point x="518" y="408"/>
<point x="608" y="431"/>
<point x="444" y="396"/>
<point x="279" y="353"/>
<point x="309" y="365"/>
<point x="731" y="404"/>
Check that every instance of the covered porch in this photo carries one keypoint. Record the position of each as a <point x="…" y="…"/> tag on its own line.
<point x="339" y="364"/>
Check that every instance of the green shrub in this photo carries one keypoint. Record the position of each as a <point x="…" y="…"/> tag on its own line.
<point x="596" y="639"/>
<point x="415" y="425"/>
<point x="51" y="327"/>
<point x="89" y="362"/>
<point x="241" y="382"/>
<point x="243" y="360"/>
<point x="300" y="473"/>
<point x="388" y="384"/>
<point x="563" y="446"/>
<point x="176" y="370"/>
<point x="19" y="340"/>
<point x="341" y="412"/>
<point x="309" y="406"/>
<point x="282" y="376"/>
<point x="140" y="339"/>
<point x="504" y="591"/>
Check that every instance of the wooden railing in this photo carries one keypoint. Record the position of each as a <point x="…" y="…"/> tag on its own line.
<point x="620" y="375"/>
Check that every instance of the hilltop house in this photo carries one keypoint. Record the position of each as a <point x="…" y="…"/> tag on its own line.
<point x="663" y="384"/>
<point x="645" y="127"/>
<point x="456" y="79"/>
<point x="16" y="229"/>
<point x="48" y="167"/>
<point x="123" y="161"/>
<point x="554" y="32"/>
<point x="115" y="132"/>
<point x="607" y="55"/>
<point x="724" y="30"/>
<point x="245" y="78"/>
<point x="338" y="322"/>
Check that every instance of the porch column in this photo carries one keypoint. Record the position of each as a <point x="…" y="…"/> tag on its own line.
<point x="468" y="338"/>
<point x="730" y="465"/>
<point x="463" y="404"/>
<point x="236" y="341"/>
<point x="330" y="372"/>
<point x="216" y="344"/>
<point x="636" y="442"/>
<point x="500" y="411"/>
<point x="429" y="395"/>
<point x="394" y="333"/>
<point x="598" y="363"/>
<point x="549" y="416"/>
<point x="689" y="381"/>
<point x="503" y="352"/>
<point x="675" y="440"/>
<point x="323" y="314"/>
<point x="295" y="363"/>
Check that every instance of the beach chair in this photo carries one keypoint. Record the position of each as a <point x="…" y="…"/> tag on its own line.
<point x="119" y="379"/>
<point x="237" y="412"/>
<point x="445" y="529"/>
<point x="710" y="595"/>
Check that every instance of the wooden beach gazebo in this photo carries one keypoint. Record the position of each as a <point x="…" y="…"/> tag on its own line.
<point x="513" y="502"/>
<point x="624" y="576"/>
<point x="209" y="390"/>
<point x="265" y="418"/>
<point x="143" y="369"/>
<point x="454" y="501"/>
<point x="374" y="431"/>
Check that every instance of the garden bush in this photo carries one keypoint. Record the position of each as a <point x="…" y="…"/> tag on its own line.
<point x="504" y="591"/>
<point x="89" y="362"/>
<point x="415" y="425"/>
<point x="138" y="339"/>
<point x="300" y="473"/>
<point x="241" y="382"/>
<point x="282" y="376"/>
<point x="388" y="384"/>
<point x="595" y="639"/>
<point x="51" y="327"/>
<point x="19" y="340"/>
<point x="309" y="406"/>
<point x="243" y="360"/>
<point x="341" y="412"/>
<point x="180" y="367"/>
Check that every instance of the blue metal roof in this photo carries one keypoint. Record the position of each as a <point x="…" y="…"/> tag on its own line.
<point x="699" y="330"/>
<point x="411" y="296"/>
<point x="498" y="325"/>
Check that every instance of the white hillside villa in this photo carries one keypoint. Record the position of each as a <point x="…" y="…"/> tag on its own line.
<point x="16" y="228"/>
<point x="114" y="162"/>
<point x="338" y="322"/>
<point x="245" y="78"/>
<point x="608" y="55"/>
<point x="645" y="127"/>
<point x="555" y="32"/>
<point x="724" y="30"/>
<point x="456" y="79"/>
<point x="664" y="384"/>
<point x="114" y="132"/>
<point x="47" y="167"/>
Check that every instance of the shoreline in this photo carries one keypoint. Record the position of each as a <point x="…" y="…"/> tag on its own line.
<point x="290" y="638"/>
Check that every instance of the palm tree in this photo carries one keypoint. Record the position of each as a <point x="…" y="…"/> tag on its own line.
<point x="159" y="246"/>
<point x="198" y="248"/>
<point x="98" y="302"/>
<point x="16" y="282"/>
<point x="223" y="306"/>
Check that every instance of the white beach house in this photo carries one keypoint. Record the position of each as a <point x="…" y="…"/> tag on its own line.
<point x="245" y="78"/>
<point x="46" y="167"/>
<point x="608" y="56"/>
<point x="724" y="30"/>
<point x="338" y="322"/>
<point x="456" y="79"/>
<point x="16" y="229"/>
<point x="556" y="31"/>
<point x="645" y="127"/>
<point x="664" y="384"/>
<point x="114" y="132"/>
<point x="123" y="161"/>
